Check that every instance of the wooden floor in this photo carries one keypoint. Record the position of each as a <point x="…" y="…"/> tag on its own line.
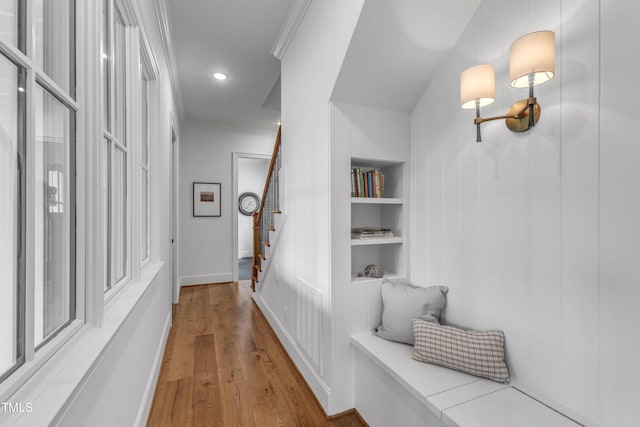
<point x="224" y="366"/>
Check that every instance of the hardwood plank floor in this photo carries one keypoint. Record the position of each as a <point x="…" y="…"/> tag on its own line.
<point x="224" y="366"/>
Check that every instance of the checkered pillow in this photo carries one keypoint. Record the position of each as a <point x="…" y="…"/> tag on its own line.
<point x="479" y="353"/>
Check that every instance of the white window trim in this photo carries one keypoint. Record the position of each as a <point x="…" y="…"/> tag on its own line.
<point x="36" y="76"/>
<point x="144" y="235"/>
<point x="115" y="144"/>
<point x="51" y="378"/>
<point x="149" y="72"/>
<point x="138" y="52"/>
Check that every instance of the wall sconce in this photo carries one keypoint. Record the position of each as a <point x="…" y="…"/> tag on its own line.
<point x="532" y="62"/>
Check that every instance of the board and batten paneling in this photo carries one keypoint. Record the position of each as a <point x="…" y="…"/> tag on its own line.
<point x="619" y="213"/>
<point x="537" y="233"/>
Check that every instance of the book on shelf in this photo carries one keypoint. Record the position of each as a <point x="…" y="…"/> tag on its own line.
<point x="367" y="183"/>
<point x="371" y="233"/>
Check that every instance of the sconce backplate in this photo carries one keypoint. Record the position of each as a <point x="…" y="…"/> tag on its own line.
<point x="521" y="124"/>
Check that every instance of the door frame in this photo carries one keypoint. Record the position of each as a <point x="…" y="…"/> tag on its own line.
<point x="175" y="211"/>
<point x="234" y="205"/>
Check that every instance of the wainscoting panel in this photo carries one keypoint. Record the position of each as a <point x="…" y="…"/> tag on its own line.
<point x="309" y="322"/>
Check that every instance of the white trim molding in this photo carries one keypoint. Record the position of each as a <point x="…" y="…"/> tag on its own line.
<point x="164" y="23"/>
<point x="234" y="208"/>
<point x="149" y="393"/>
<point x="203" y="279"/>
<point x="290" y="26"/>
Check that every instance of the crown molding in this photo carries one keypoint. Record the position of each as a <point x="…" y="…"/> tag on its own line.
<point x="167" y="45"/>
<point x="231" y="127"/>
<point x="290" y="26"/>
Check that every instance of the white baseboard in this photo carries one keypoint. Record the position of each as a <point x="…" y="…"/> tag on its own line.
<point x="316" y="383"/>
<point x="245" y="254"/>
<point x="147" y="398"/>
<point x="203" y="279"/>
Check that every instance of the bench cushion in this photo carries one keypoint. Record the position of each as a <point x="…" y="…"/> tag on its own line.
<point x="455" y="398"/>
<point x="479" y="353"/>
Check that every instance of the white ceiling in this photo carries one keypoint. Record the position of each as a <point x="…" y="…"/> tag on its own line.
<point x="234" y="37"/>
<point x="396" y="49"/>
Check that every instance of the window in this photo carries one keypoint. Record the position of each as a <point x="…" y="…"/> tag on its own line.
<point x="54" y="222"/>
<point x="42" y="302"/>
<point x="54" y="34"/>
<point x="116" y="150"/>
<point x="37" y="169"/>
<point x="128" y="74"/>
<point x="12" y="183"/>
<point x="145" y="210"/>
<point x="12" y="25"/>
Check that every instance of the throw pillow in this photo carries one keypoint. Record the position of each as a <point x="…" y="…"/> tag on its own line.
<point x="479" y="353"/>
<point x="401" y="303"/>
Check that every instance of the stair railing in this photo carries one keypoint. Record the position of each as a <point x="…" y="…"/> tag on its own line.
<point x="263" y="218"/>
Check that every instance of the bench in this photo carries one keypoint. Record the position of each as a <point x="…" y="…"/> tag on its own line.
<point x="391" y="389"/>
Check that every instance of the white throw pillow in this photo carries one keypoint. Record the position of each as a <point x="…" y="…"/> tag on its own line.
<point x="402" y="303"/>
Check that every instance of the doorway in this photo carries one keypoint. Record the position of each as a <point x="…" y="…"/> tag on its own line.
<point x="174" y="213"/>
<point x="249" y="175"/>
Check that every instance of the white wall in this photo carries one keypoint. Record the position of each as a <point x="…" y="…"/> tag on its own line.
<point x="537" y="233"/>
<point x="619" y="210"/>
<point x="205" y="244"/>
<point x="252" y="174"/>
<point x="361" y="132"/>
<point x="310" y="67"/>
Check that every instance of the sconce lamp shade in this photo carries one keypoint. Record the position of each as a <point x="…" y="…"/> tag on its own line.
<point x="477" y="83"/>
<point x="533" y="54"/>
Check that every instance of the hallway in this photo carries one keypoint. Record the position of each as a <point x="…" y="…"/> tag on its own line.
<point x="224" y="366"/>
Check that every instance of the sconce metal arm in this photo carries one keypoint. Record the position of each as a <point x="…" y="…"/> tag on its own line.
<point x="522" y="116"/>
<point x="531" y="101"/>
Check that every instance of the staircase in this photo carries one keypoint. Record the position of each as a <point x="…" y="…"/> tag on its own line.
<point x="264" y="219"/>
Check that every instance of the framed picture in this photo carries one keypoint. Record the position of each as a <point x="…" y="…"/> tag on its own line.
<point x="206" y="199"/>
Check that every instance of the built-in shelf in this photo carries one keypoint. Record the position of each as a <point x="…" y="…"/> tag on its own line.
<point x="383" y="241"/>
<point x="377" y="201"/>
<point x="364" y="279"/>
<point x="386" y="212"/>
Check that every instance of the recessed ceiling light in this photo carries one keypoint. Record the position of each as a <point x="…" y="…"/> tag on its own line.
<point x="220" y="76"/>
<point x="20" y="89"/>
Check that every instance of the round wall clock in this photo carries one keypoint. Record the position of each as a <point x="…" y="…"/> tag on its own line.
<point x="248" y="203"/>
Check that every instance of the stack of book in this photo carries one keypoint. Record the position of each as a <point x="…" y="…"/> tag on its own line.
<point x="371" y="233"/>
<point x="369" y="183"/>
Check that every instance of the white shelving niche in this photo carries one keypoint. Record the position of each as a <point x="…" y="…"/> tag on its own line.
<point x="386" y="212"/>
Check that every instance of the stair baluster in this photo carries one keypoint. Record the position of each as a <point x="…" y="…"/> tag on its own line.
<point x="263" y="218"/>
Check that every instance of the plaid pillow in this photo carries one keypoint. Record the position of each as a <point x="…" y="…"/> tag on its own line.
<point x="479" y="353"/>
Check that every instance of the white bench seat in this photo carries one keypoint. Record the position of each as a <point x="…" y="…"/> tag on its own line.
<point x="387" y="379"/>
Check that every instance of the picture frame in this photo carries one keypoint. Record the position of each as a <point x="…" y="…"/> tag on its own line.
<point x="206" y="199"/>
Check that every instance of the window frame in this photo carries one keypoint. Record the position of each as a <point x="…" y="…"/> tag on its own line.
<point x="73" y="312"/>
<point x="97" y="315"/>
<point x="148" y="74"/>
<point x="115" y="144"/>
<point x="20" y="215"/>
<point x="145" y="172"/>
<point x="22" y="54"/>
